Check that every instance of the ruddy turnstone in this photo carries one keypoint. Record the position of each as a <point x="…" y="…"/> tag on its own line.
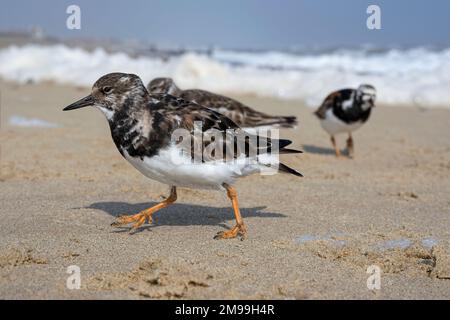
<point x="159" y="135"/>
<point x="346" y="110"/>
<point x="242" y="115"/>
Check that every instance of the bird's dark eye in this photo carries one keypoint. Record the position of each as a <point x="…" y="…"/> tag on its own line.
<point x="107" y="90"/>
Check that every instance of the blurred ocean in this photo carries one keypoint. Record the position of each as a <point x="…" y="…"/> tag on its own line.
<point x="411" y="77"/>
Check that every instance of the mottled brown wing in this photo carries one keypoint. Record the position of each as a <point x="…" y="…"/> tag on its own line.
<point x="239" y="113"/>
<point x="229" y="107"/>
<point x="177" y="113"/>
<point x="328" y="103"/>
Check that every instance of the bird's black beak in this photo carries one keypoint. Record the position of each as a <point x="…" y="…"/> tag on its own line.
<point x="85" y="102"/>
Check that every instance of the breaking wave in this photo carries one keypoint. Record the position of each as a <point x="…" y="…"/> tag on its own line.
<point x="412" y="77"/>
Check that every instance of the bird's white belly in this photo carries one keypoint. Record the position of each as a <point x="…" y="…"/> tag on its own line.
<point x="334" y="125"/>
<point x="171" y="168"/>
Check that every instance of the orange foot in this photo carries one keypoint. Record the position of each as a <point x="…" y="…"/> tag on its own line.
<point x="145" y="215"/>
<point x="138" y="219"/>
<point x="238" y="229"/>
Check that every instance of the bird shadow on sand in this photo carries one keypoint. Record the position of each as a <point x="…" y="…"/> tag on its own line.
<point x="182" y="214"/>
<point x="318" y="150"/>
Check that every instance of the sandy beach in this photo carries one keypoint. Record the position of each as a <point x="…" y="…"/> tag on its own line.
<point x="309" y="238"/>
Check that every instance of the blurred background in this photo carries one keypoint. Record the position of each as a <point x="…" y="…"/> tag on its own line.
<point x="283" y="49"/>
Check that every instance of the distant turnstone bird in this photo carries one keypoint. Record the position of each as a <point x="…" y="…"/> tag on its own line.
<point x="346" y="110"/>
<point x="242" y="115"/>
<point x="158" y="134"/>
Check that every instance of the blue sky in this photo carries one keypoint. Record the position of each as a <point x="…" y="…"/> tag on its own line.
<point x="259" y="24"/>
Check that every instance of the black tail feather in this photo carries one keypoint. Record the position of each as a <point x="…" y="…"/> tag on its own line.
<point x="284" y="168"/>
<point x="286" y="150"/>
<point x="283" y="143"/>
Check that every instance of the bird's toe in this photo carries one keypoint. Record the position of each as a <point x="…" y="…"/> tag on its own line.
<point x="238" y="230"/>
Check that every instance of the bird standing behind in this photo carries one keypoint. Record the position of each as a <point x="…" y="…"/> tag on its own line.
<point x="179" y="143"/>
<point x="344" y="111"/>
<point x="242" y="115"/>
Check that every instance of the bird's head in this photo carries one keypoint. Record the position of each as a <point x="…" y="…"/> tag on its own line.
<point x="163" y="85"/>
<point x="113" y="92"/>
<point x="367" y="94"/>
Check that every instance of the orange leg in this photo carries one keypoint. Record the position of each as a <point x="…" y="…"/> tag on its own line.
<point x="142" y="216"/>
<point x="336" y="149"/>
<point x="239" y="228"/>
<point x="350" y="147"/>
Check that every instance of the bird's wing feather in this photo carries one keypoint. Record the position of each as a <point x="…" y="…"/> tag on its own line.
<point x="238" y="112"/>
<point x="177" y="113"/>
<point x="327" y="104"/>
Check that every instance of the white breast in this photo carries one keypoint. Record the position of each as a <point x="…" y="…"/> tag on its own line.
<point x="171" y="168"/>
<point x="334" y="125"/>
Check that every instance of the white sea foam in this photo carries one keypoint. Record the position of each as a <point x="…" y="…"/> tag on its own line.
<point x="418" y="77"/>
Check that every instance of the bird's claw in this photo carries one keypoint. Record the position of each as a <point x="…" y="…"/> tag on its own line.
<point x="237" y="230"/>
<point x="138" y="219"/>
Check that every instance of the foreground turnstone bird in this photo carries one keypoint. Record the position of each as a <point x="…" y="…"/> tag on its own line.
<point x="170" y="140"/>
<point x="346" y="110"/>
<point x="242" y="115"/>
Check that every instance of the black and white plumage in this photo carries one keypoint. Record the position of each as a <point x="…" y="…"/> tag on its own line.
<point x="143" y="126"/>
<point x="242" y="115"/>
<point x="345" y="111"/>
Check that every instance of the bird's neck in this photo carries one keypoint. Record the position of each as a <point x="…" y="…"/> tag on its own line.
<point x="131" y="123"/>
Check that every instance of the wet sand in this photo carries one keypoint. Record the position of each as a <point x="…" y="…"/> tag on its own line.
<point x="309" y="238"/>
